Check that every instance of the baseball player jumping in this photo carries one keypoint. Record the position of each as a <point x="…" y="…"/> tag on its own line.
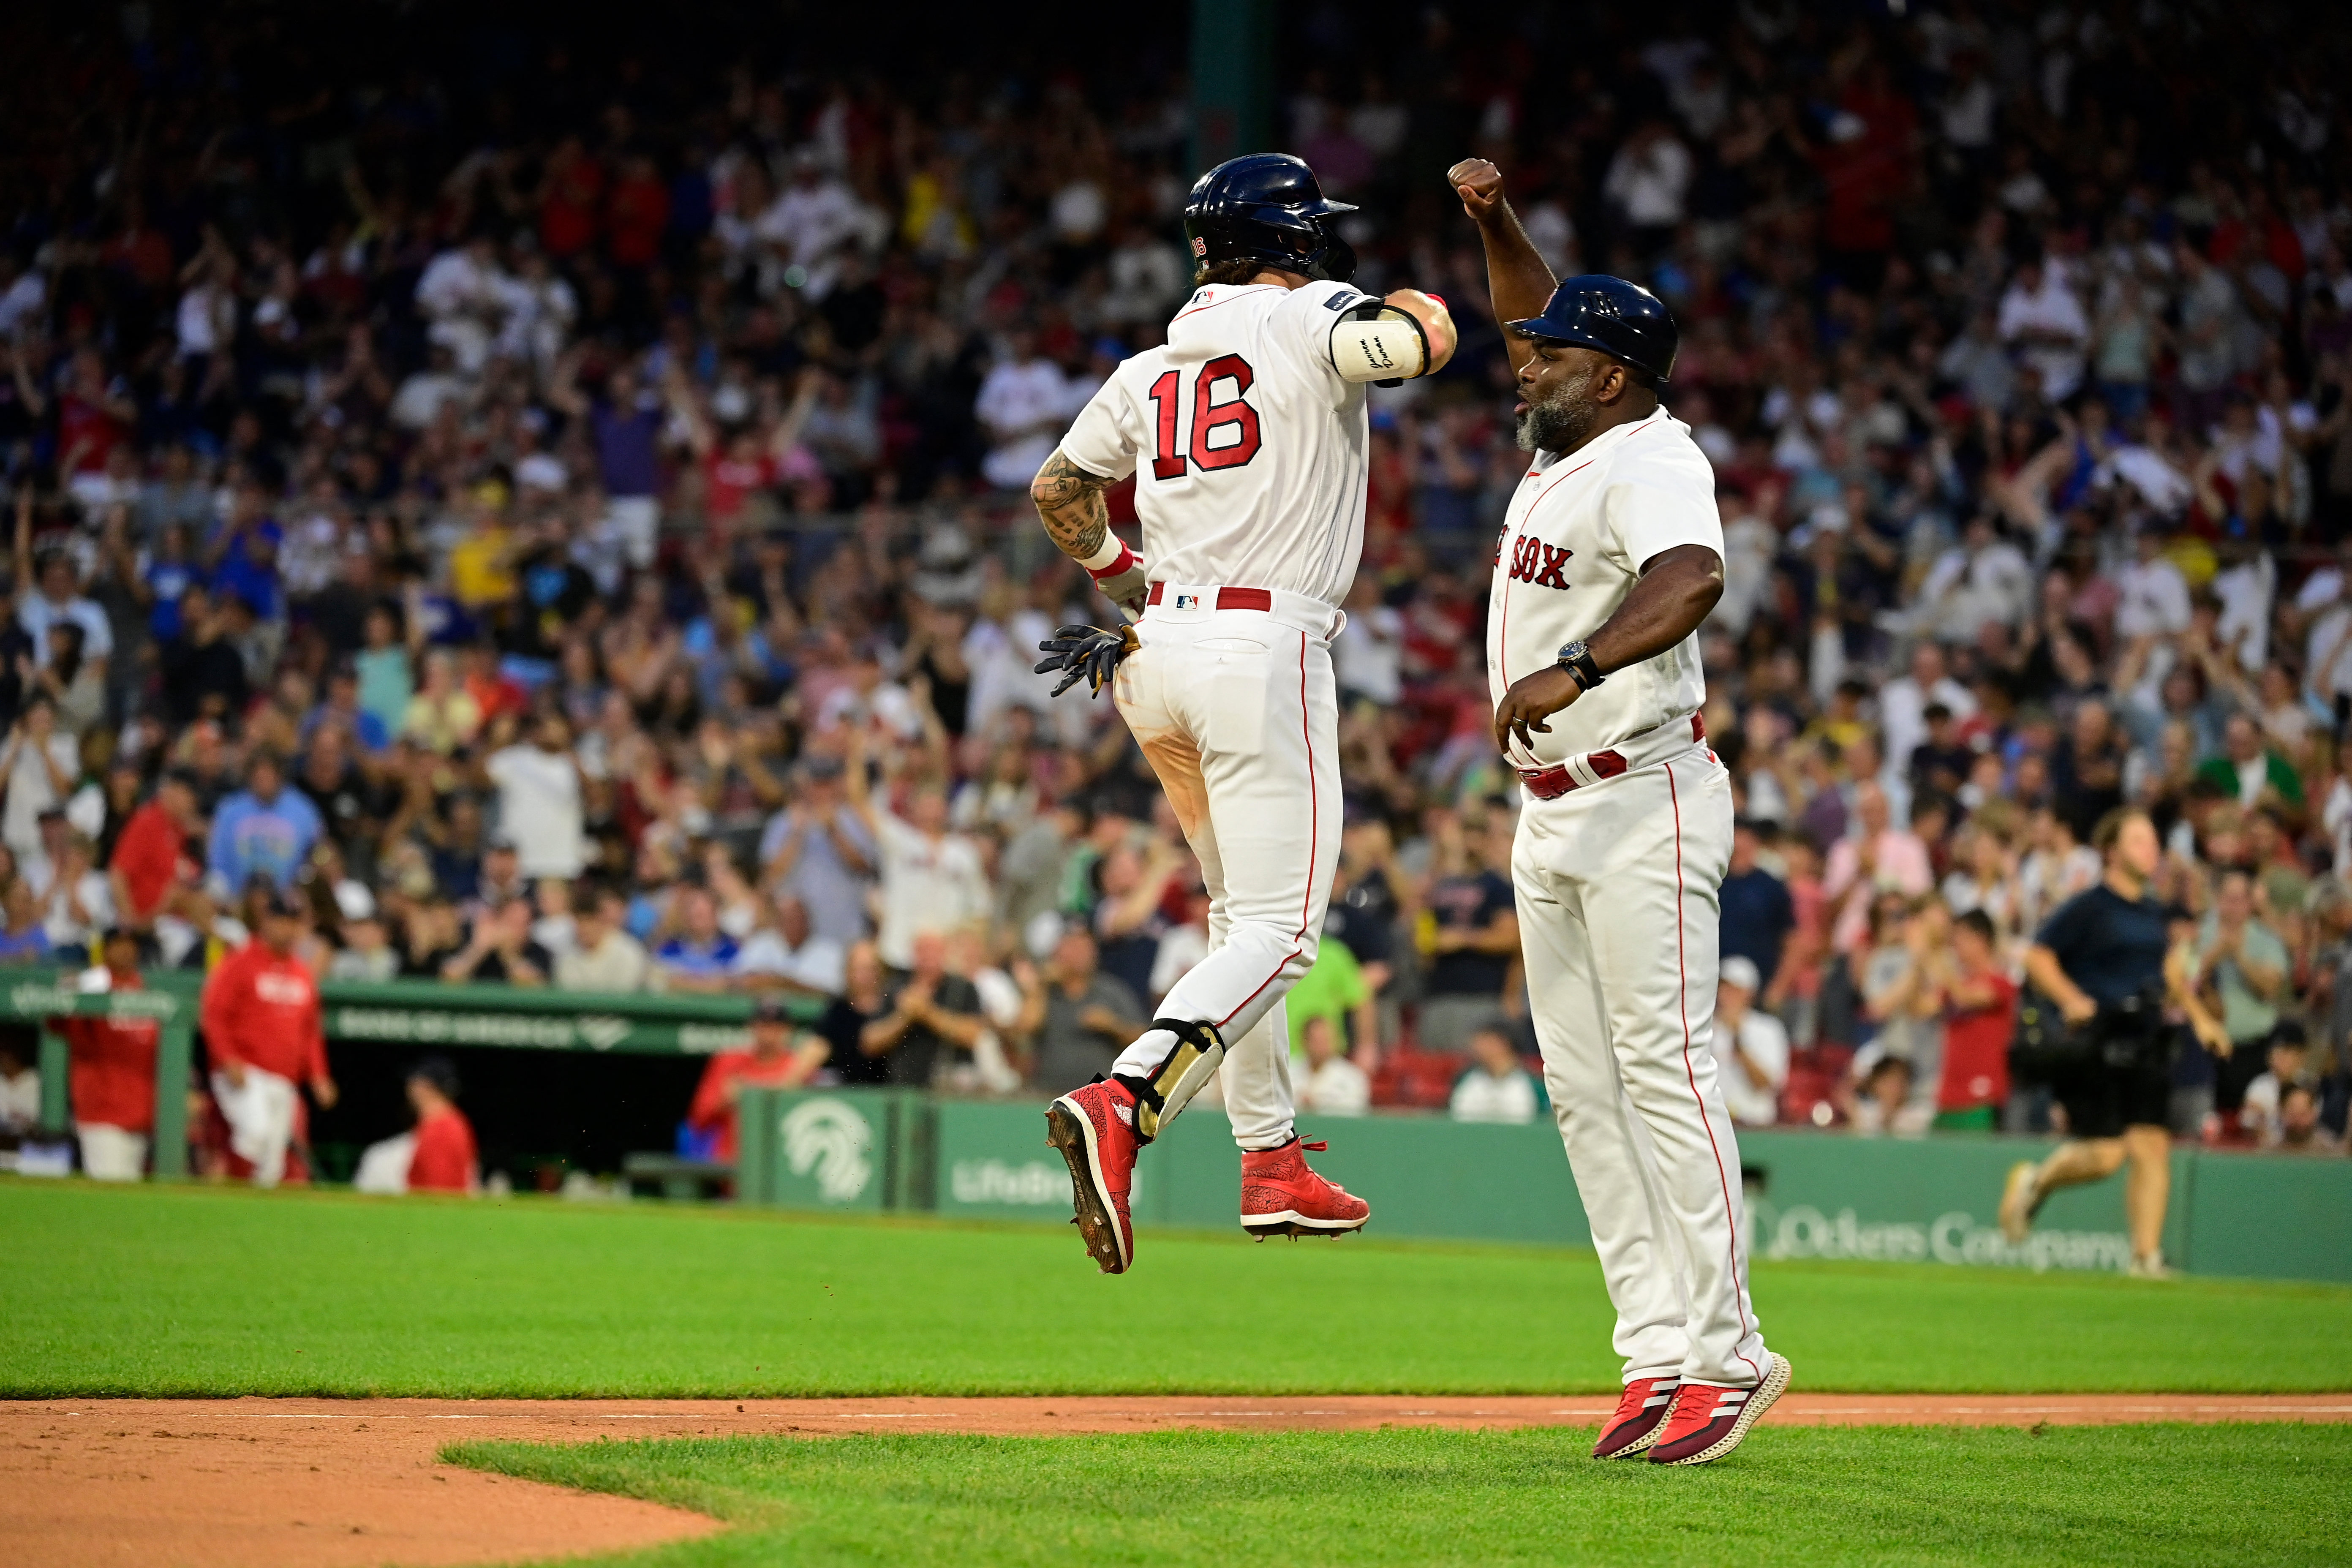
<point x="1248" y="437"/>
<point x="1611" y="556"/>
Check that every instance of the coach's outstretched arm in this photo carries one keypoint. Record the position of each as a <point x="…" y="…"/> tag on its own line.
<point x="1070" y="504"/>
<point x="1676" y="590"/>
<point x="1518" y="280"/>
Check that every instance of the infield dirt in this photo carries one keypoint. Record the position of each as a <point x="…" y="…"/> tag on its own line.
<point x="325" y="1483"/>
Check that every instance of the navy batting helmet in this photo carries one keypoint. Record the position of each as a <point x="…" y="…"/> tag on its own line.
<point x="1266" y="207"/>
<point x="1624" y="320"/>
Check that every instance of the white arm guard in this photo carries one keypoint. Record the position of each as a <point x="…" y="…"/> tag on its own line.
<point x="1379" y="344"/>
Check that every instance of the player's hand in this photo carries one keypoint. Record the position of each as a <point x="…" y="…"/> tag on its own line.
<point x="235" y="1073"/>
<point x="323" y="1090"/>
<point x="1085" y="653"/>
<point x="1531" y="700"/>
<point x="1480" y="185"/>
<point x="2078" y="1008"/>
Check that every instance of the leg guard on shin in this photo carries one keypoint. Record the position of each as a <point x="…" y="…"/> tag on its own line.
<point x="1180" y="1075"/>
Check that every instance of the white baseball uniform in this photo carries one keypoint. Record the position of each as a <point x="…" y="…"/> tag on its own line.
<point x="1249" y="452"/>
<point x="1621" y="851"/>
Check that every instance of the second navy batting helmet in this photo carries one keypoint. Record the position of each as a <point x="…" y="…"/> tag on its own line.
<point x="1621" y="320"/>
<point x="1266" y="207"/>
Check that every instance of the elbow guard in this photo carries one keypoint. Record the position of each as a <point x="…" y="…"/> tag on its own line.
<point x="1379" y="342"/>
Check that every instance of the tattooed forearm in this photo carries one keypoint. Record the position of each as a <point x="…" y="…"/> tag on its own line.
<point x="1071" y="505"/>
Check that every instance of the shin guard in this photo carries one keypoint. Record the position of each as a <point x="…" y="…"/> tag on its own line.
<point x="1180" y="1075"/>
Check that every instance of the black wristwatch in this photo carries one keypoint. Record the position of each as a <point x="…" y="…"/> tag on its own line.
<point x="1577" y="660"/>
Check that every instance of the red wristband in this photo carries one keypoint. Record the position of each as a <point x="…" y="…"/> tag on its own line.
<point x="1127" y="560"/>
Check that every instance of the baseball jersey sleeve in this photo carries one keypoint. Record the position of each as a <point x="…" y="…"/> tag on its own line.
<point x="1302" y="327"/>
<point x="1108" y="432"/>
<point x="1659" y="499"/>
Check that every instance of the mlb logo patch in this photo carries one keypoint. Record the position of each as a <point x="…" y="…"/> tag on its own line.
<point x="1188" y="601"/>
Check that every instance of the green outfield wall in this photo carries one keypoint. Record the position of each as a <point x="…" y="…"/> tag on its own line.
<point x="1810" y="1195"/>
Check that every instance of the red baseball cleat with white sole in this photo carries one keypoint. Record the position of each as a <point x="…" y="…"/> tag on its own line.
<point x="1707" y="1420"/>
<point x="1094" y="1128"/>
<point x="1641" y="1411"/>
<point x="1280" y="1196"/>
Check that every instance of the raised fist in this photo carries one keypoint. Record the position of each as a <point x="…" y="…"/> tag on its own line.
<point x="1480" y="185"/>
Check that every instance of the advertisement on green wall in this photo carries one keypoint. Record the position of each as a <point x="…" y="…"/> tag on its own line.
<point x="816" y="1151"/>
<point x="1810" y="1195"/>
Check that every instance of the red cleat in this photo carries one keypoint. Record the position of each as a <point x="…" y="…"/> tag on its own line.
<point x="1094" y="1128"/>
<point x="1708" y="1420"/>
<point x="1280" y="1196"/>
<point x="1641" y="1411"/>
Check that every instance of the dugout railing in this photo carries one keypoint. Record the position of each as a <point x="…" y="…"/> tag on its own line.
<point x="424" y="1014"/>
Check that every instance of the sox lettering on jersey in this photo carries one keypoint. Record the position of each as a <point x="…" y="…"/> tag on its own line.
<point x="1533" y="561"/>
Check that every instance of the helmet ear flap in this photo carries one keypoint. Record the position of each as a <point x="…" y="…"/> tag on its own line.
<point x="1337" y="264"/>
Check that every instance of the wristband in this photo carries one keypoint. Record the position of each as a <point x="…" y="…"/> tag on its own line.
<point x="1111" y="559"/>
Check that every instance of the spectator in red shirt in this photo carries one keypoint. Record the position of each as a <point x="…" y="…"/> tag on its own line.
<point x="445" y="1160"/>
<point x="112" y="1074"/>
<point x="150" y="859"/>
<point x="776" y="1060"/>
<point x="637" y="214"/>
<point x="260" y="1014"/>
<point x="1980" y="1015"/>
<point x="570" y="192"/>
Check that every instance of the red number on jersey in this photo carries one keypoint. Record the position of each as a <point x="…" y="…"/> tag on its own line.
<point x="1166" y="463"/>
<point x="1208" y="416"/>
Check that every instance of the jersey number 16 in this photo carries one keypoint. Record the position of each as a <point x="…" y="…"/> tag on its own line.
<point x="1209" y="416"/>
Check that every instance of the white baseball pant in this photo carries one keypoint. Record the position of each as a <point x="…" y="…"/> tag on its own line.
<point x="1239" y="715"/>
<point x="1617" y="886"/>
<point x="111" y="1154"/>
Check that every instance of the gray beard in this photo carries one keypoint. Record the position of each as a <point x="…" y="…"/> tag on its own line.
<point x="1562" y="423"/>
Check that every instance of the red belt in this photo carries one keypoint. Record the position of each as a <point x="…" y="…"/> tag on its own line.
<point x="1551" y="783"/>
<point x="1229" y="598"/>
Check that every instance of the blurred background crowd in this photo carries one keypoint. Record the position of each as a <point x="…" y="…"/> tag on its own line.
<point x="558" y="507"/>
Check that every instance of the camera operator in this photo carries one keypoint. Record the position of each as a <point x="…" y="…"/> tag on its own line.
<point x="2102" y="959"/>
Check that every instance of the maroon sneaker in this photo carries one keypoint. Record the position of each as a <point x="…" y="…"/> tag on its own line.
<point x="1280" y="1196"/>
<point x="1640" y="1410"/>
<point x="1094" y="1128"/>
<point x="1708" y="1420"/>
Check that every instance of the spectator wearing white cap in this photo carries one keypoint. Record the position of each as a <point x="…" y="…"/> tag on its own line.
<point x="1751" y="1046"/>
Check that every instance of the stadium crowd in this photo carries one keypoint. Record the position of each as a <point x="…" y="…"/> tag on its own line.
<point x="574" y="533"/>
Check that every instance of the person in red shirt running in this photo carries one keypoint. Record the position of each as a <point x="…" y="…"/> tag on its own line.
<point x="112" y="1075"/>
<point x="445" y="1160"/>
<point x="776" y="1060"/>
<point x="260" y="1014"/>
<point x="1980" y="1016"/>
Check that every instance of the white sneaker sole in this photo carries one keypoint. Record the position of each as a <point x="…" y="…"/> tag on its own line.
<point x="1775" y="1383"/>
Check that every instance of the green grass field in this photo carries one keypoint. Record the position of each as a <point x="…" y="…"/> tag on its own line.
<point x="2141" y="1496"/>
<point x="196" y="1292"/>
<point x="211" y="1292"/>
